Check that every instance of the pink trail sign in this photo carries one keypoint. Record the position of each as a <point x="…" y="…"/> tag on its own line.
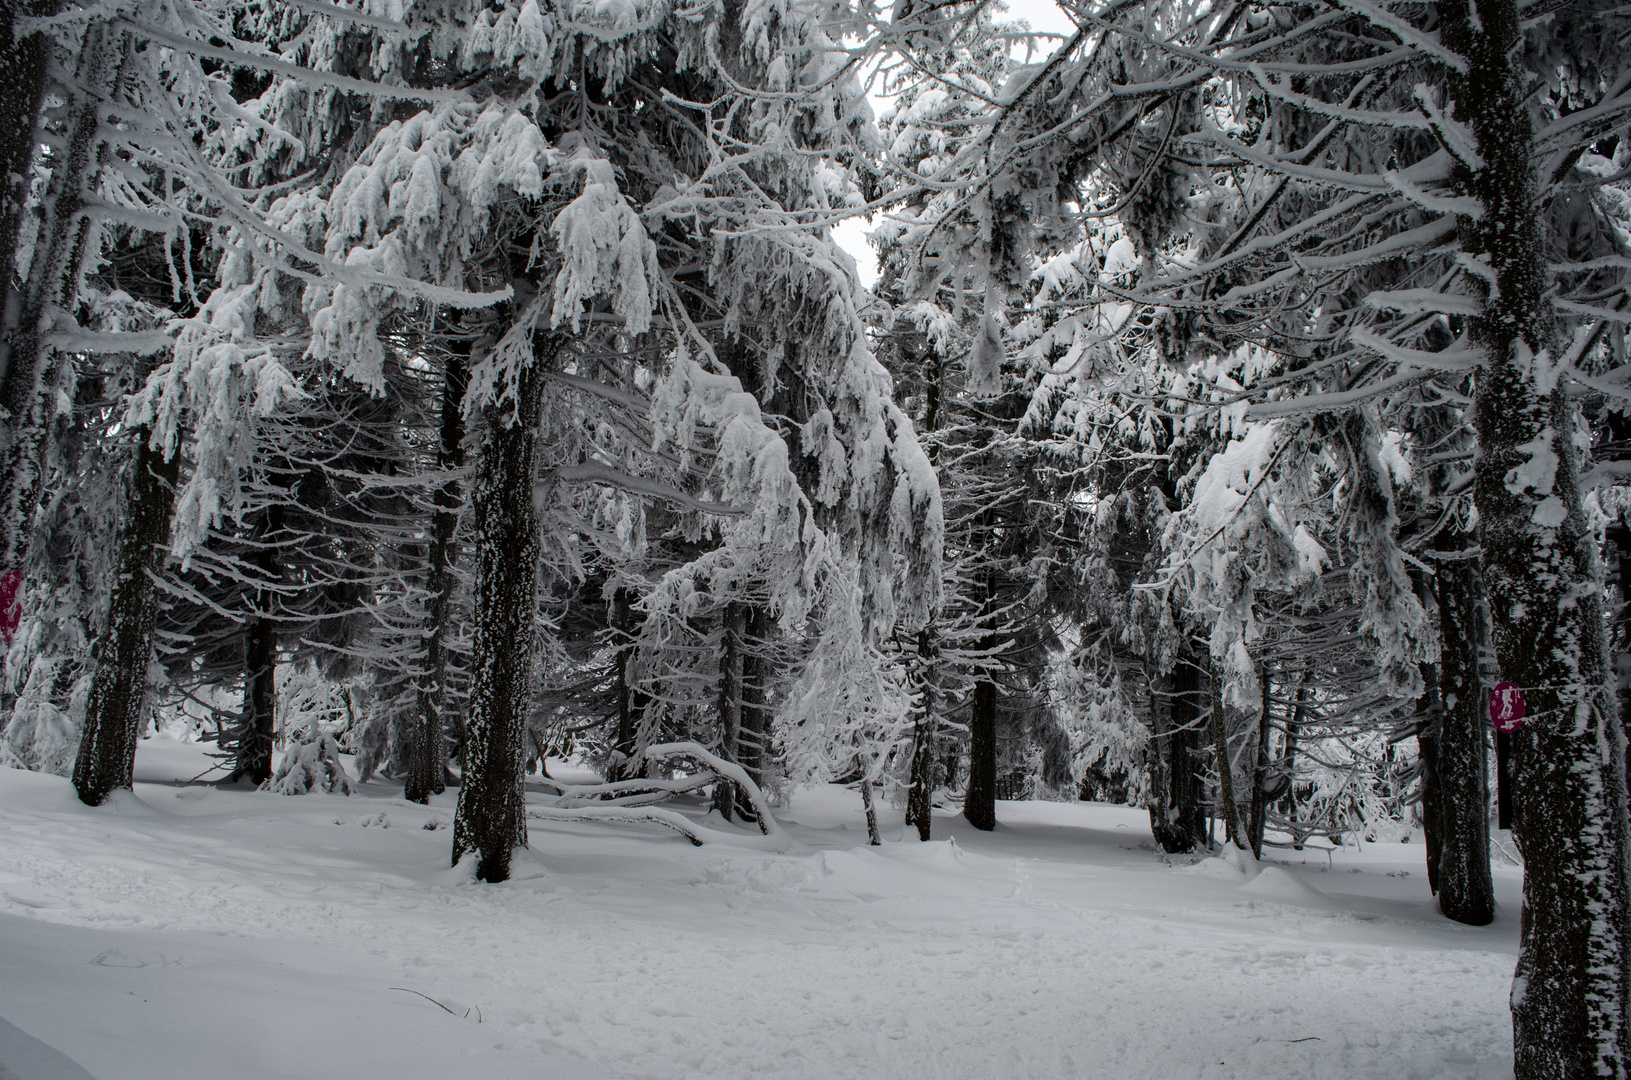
<point x="1506" y="708"/>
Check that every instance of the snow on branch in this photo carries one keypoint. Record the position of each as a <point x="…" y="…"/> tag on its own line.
<point x="728" y="769"/>
<point x="604" y="248"/>
<point x="1419" y="301"/>
<point x="1460" y="356"/>
<point x="598" y="473"/>
<point x="251" y="56"/>
<point x="309" y="765"/>
<point x="629" y="792"/>
<point x="1425" y="41"/>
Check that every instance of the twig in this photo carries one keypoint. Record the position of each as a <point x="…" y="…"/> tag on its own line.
<point x="430" y="999"/>
<point x="206" y="772"/>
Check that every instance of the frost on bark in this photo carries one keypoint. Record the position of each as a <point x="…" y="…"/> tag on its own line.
<point x="1176" y="816"/>
<point x="21" y="91"/>
<point x="925" y="763"/>
<point x="743" y="671"/>
<point x="1466" y="891"/>
<point x="1619" y="538"/>
<point x="1226" y="773"/>
<point x="753" y="737"/>
<point x="491" y="817"/>
<point x="871" y="810"/>
<point x="30" y="369"/>
<point x="427" y="752"/>
<point x="1571" y="992"/>
<point x="116" y="706"/>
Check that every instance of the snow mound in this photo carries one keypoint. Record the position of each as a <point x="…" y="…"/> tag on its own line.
<point x="934" y="855"/>
<point x="1216" y="867"/>
<point x="125" y="802"/>
<point x="1283" y="887"/>
<point x="23" y="1057"/>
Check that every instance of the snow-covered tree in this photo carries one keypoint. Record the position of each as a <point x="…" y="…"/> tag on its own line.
<point x="1445" y="146"/>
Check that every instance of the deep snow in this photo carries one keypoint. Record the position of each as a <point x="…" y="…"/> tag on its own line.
<point x="188" y="932"/>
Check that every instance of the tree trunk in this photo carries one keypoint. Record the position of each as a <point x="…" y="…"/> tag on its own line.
<point x="1226" y="772"/>
<point x="1466" y="891"/>
<point x="980" y="800"/>
<point x="1503" y="777"/>
<point x="427" y="751"/>
<point x="1178" y="820"/>
<point x="32" y="368"/>
<point x="491" y="817"/>
<point x="117" y="705"/>
<point x="1619" y="567"/>
<point x="925" y="762"/>
<point x="733" y="624"/>
<point x="753" y="737"/>
<point x="1571" y="992"/>
<point x="1431" y="711"/>
<point x="872" y="836"/>
<point x="21" y="93"/>
<point x="1257" y="823"/>
<point x="256" y="727"/>
<point x="1293" y="731"/>
<point x="629" y="701"/>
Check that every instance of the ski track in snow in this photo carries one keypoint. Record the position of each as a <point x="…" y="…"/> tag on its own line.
<point x="192" y="932"/>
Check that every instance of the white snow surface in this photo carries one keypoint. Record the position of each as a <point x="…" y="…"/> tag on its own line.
<point x="188" y="931"/>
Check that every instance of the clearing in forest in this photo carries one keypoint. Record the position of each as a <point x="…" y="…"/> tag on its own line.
<point x="190" y="932"/>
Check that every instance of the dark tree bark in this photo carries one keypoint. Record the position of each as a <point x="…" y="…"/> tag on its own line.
<point x="1619" y="576"/>
<point x="1571" y="992"/>
<point x="491" y="817"/>
<point x="1177" y="819"/>
<point x="733" y="626"/>
<point x="1503" y="781"/>
<point x="427" y="750"/>
<point x="253" y="733"/>
<point x="1466" y="889"/>
<point x="1258" y="821"/>
<point x="980" y="799"/>
<point x="1430" y="710"/>
<point x="117" y="706"/>
<point x="753" y="736"/>
<point x="21" y="94"/>
<point x="630" y="702"/>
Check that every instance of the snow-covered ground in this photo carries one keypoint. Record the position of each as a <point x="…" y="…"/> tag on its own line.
<point x="188" y="932"/>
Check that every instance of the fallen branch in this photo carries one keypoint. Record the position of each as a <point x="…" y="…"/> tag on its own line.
<point x="636" y="792"/>
<point x="670" y="819"/>
<point x="444" y="1008"/>
<point x="626" y="816"/>
<point x="728" y="770"/>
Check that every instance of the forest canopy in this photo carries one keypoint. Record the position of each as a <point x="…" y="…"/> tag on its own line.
<point x="426" y="389"/>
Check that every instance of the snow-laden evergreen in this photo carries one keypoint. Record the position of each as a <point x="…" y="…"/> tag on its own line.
<point x="446" y="393"/>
